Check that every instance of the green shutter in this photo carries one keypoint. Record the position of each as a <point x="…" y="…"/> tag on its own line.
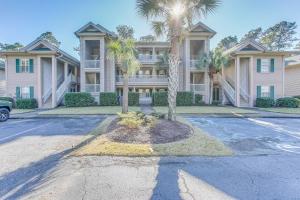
<point x="272" y="65"/>
<point x="272" y="94"/>
<point x="258" y="91"/>
<point x="17" y="65"/>
<point x="18" y="93"/>
<point x="31" y="65"/>
<point x="31" y="92"/>
<point x="258" y="65"/>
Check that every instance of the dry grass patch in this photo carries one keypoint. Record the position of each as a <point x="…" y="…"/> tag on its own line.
<point x="282" y="110"/>
<point x="20" y="111"/>
<point x="205" y="110"/>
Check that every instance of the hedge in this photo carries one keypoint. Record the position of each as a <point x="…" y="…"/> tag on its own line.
<point x="133" y="98"/>
<point x="108" y="99"/>
<point x="160" y="98"/>
<point x="265" y="102"/>
<point x="199" y="100"/>
<point x="79" y="99"/>
<point x="184" y="99"/>
<point x="10" y="100"/>
<point x="26" y="103"/>
<point x="288" y="102"/>
<point x="297" y="97"/>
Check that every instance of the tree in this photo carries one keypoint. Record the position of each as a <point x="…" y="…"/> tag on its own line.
<point x="227" y="42"/>
<point x="147" y="38"/>
<point x="125" y="31"/>
<point x="124" y="52"/>
<point x="213" y="61"/>
<point x="254" y="34"/>
<point x="49" y="37"/>
<point x="297" y="46"/>
<point x="172" y="18"/>
<point x="280" y="36"/>
<point x="10" y="47"/>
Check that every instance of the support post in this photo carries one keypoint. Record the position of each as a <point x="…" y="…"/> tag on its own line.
<point x="39" y="82"/>
<point x="54" y="81"/>
<point x="237" y="82"/>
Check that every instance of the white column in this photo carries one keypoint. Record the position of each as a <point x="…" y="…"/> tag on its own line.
<point x="102" y="65"/>
<point x="65" y="71"/>
<point x="283" y="78"/>
<point x="39" y="82"/>
<point x="251" y="86"/>
<point x="187" y="64"/>
<point x="54" y="81"/>
<point x="237" y="82"/>
<point x="206" y="82"/>
<point x="82" y="65"/>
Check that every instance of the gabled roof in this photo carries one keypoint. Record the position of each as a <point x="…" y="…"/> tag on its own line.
<point x="246" y="45"/>
<point x="41" y="46"/>
<point x="200" y="27"/>
<point x="91" y="28"/>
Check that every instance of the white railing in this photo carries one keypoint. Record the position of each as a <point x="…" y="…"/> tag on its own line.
<point x="144" y="78"/>
<point x="92" y="87"/>
<point x="244" y="95"/>
<point x="197" y="87"/>
<point x="73" y="78"/>
<point x="229" y="90"/>
<point x="47" y="95"/>
<point x="147" y="58"/>
<point x="92" y="64"/>
<point x="63" y="88"/>
<point x="2" y="88"/>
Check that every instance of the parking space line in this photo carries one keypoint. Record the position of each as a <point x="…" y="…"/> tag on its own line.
<point x="22" y="132"/>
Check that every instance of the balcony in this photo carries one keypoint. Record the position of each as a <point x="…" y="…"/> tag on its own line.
<point x="92" y="88"/>
<point x="146" y="58"/>
<point x="92" y="64"/>
<point x="198" y="88"/>
<point x="145" y="79"/>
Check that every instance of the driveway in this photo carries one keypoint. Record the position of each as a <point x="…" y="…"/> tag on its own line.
<point x="254" y="136"/>
<point x="29" y="148"/>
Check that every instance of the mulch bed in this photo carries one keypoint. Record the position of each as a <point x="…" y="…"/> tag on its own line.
<point x="163" y="131"/>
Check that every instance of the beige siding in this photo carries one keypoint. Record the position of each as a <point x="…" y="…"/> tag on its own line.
<point x="292" y="81"/>
<point x="229" y="73"/>
<point x="269" y="79"/>
<point x="20" y="79"/>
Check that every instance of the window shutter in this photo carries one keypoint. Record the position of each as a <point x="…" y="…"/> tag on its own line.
<point x="17" y="65"/>
<point x="272" y="65"/>
<point x="258" y="91"/>
<point x="18" y="92"/>
<point x="31" y="65"/>
<point x="272" y="94"/>
<point x="258" y="65"/>
<point x="31" y="92"/>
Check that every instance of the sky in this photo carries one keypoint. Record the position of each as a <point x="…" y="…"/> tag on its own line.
<point x="24" y="20"/>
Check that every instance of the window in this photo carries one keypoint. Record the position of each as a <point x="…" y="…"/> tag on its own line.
<point x="265" y="65"/>
<point x="25" y="92"/>
<point x="216" y="94"/>
<point x="265" y="91"/>
<point x="24" y="65"/>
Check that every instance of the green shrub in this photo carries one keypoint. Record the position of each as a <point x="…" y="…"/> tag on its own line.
<point x="26" y="104"/>
<point x="265" y="102"/>
<point x="10" y="100"/>
<point x="288" y="102"/>
<point x="160" y="98"/>
<point x="199" y="100"/>
<point x="297" y="97"/>
<point x="79" y="99"/>
<point x="184" y="99"/>
<point x="133" y="98"/>
<point x="135" y="120"/>
<point x="108" y="99"/>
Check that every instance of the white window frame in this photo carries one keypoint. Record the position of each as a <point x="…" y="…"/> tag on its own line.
<point x="24" y="65"/>
<point x="25" y="92"/>
<point x="265" y="65"/>
<point x="265" y="91"/>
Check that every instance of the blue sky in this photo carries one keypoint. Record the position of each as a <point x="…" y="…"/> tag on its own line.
<point x="23" y="21"/>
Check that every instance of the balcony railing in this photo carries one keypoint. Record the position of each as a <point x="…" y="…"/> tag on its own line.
<point x="92" y="87"/>
<point x="145" y="78"/>
<point x="197" y="87"/>
<point x="146" y="58"/>
<point x="92" y="64"/>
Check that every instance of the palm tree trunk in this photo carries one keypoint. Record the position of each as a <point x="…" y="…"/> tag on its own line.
<point x="125" y="94"/>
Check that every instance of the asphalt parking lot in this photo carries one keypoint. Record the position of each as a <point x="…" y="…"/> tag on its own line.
<point x="254" y="136"/>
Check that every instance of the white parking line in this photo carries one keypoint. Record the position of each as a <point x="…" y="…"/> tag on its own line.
<point x="21" y="133"/>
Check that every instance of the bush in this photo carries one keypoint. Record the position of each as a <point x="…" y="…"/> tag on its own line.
<point x="26" y="104"/>
<point x="297" y="97"/>
<point x="184" y="99"/>
<point x="133" y="98"/>
<point x="79" y="99"/>
<point x="265" y="102"/>
<point x="288" y="102"/>
<point x="160" y="98"/>
<point x="199" y="100"/>
<point x="108" y="99"/>
<point x="136" y="119"/>
<point x="10" y="100"/>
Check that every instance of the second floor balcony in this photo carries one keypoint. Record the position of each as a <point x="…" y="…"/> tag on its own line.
<point x="144" y="79"/>
<point x="147" y="58"/>
<point x="92" y="64"/>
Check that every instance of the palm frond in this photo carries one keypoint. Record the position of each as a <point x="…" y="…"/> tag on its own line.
<point x="149" y="8"/>
<point x="158" y="28"/>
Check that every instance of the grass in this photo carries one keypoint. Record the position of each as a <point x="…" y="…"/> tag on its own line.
<point x="93" y="110"/>
<point x="200" y="144"/>
<point x="19" y="111"/>
<point x="205" y="110"/>
<point x="282" y="110"/>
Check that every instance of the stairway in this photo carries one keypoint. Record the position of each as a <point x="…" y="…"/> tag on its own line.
<point x="228" y="89"/>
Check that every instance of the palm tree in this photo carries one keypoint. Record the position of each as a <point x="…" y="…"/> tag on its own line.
<point x="124" y="52"/>
<point x="213" y="61"/>
<point x="174" y="17"/>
